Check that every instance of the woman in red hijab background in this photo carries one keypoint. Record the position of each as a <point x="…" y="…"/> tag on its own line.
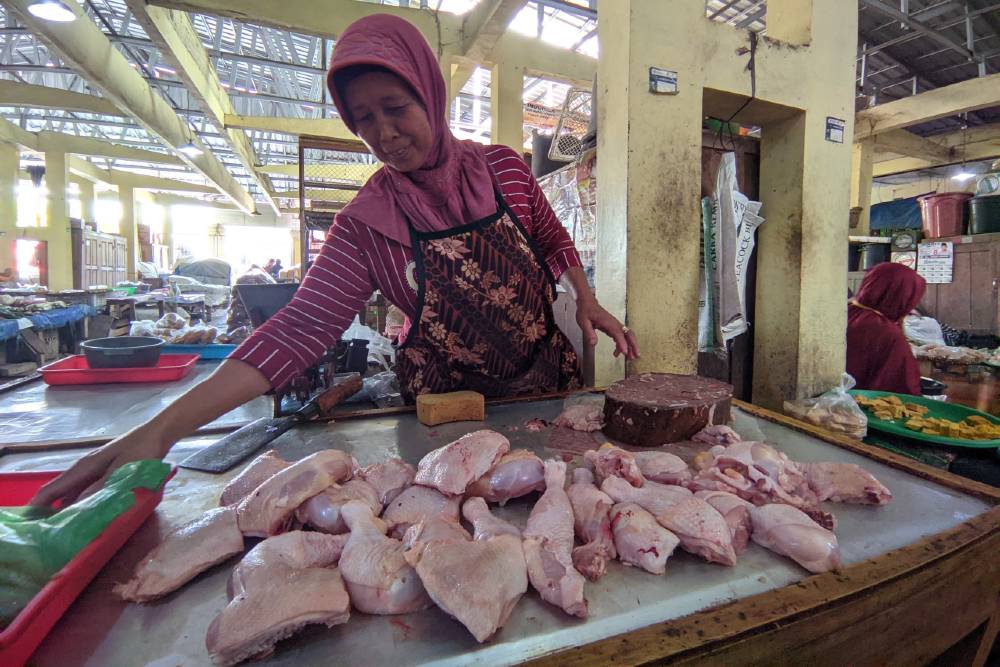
<point x="878" y="355"/>
<point x="456" y="235"/>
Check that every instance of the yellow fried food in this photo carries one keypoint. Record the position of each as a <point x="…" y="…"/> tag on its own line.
<point x="890" y="408"/>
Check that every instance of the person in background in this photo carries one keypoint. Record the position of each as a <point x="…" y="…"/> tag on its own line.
<point x="878" y="355"/>
<point x="269" y="266"/>
<point x="276" y="269"/>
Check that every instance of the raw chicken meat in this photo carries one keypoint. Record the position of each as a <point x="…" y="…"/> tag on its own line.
<point x="389" y="478"/>
<point x="845" y="483"/>
<point x="717" y="434"/>
<point x="450" y="469"/>
<point x="434" y="529"/>
<point x="582" y="417"/>
<point x="663" y="467"/>
<point x="735" y="511"/>
<point x="699" y="526"/>
<point x="378" y="578"/>
<point x="484" y="524"/>
<point x="256" y="473"/>
<point x="548" y="545"/>
<point x="640" y="540"/>
<point x="416" y="504"/>
<point x="788" y="531"/>
<point x="283" y="584"/>
<point x="271" y="507"/>
<point x="322" y="511"/>
<point x="592" y="524"/>
<point x="516" y="474"/>
<point x="611" y="461"/>
<point x="478" y="582"/>
<point x="183" y="554"/>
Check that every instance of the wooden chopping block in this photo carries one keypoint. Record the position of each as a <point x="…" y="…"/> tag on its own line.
<point x="456" y="406"/>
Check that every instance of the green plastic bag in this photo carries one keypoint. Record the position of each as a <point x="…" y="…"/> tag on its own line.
<point x="34" y="549"/>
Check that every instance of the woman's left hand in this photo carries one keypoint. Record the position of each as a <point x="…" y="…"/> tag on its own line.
<point x="591" y="316"/>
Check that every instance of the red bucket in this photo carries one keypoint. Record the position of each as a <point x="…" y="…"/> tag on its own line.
<point x="944" y="214"/>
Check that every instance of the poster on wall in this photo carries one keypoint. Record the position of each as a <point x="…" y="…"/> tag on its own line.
<point x="935" y="260"/>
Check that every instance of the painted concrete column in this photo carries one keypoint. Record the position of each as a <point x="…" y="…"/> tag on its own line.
<point x="87" y="200"/>
<point x="507" y="104"/>
<point x="9" y="163"/>
<point x="862" y="167"/>
<point x="126" y="197"/>
<point x="56" y="232"/>
<point x="649" y="185"/>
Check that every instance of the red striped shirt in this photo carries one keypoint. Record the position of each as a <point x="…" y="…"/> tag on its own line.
<point x="355" y="261"/>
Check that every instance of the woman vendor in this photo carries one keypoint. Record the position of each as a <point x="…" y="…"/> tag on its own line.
<point x="878" y="355"/>
<point x="457" y="235"/>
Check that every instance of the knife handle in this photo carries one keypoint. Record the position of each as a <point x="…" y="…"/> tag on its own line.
<point x="333" y="395"/>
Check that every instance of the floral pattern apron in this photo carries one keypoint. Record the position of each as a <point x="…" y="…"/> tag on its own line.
<point x="484" y="294"/>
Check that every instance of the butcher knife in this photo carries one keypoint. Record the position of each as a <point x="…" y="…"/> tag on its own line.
<point x="244" y="442"/>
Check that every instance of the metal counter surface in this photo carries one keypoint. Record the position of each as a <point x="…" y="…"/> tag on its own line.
<point x="101" y="631"/>
<point x="39" y="412"/>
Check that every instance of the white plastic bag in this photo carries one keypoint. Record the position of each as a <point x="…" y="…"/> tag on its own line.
<point x="923" y="330"/>
<point x="835" y="410"/>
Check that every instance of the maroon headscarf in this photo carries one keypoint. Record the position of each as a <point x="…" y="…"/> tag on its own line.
<point x="454" y="186"/>
<point x="878" y="355"/>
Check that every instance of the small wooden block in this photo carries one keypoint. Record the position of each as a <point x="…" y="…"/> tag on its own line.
<point x="17" y="369"/>
<point x="457" y="406"/>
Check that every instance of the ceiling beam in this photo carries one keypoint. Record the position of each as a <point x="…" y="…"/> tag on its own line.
<point x="975" y="143"/>
<point x="17" y="94"/>
<point x="174" y="35"/>
<point x="80" y="145"/>
<point x="342" y="196"/>
<point x="902" y="142"/>
<point x="482" y="28"/>
<point x="95" y="174"/>
<point x="920" y="27"/>
<point x="938" y="103"/>
<point x="81" y="45"/>
<point x="326" y="128"/>
<point x="14" y="134"/>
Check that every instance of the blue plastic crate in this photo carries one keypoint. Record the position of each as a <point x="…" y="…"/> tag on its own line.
<point x="210" y="351"/>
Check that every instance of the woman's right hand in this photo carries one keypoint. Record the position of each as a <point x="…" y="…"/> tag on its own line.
<point x="90" y="472"/>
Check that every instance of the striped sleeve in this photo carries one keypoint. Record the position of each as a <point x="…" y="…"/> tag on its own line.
<point x="333" y="291"/>
<point x="527" y="199"/>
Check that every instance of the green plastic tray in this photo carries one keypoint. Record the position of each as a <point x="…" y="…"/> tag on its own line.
<point x="938" y="409"/>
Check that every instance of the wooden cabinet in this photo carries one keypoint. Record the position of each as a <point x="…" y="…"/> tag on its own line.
<point x="970" y="300"/>
<point x="98" y="259"/>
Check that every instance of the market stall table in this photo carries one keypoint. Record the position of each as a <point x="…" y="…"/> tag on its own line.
<point x="920" y="574"/>
<point x="192" y="303"/>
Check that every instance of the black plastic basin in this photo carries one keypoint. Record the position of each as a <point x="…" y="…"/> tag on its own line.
<point x="122" y="352"/>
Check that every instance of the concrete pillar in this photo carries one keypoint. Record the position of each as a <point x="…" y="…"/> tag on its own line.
<point x="649" y="185"/>
<point x="9" y="174"/>
<point x="56" y="232"/>
<point x="790" y="21"/>
<point x="126" y="197"/>
<point x="862" y="166"/>
<point x="87" y="200"/>
<point x="507" y="105"/>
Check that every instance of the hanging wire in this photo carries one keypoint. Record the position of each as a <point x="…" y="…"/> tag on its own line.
<point x="720" y="139"/>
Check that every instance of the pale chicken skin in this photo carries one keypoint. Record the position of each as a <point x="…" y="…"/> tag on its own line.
<point x="717" y="434"/>
<point x="582" y="417"/>
<point x="253" y="475"/>
<point x="663" y="467"/>
<point x="640" y="540"/>
<point x="416" y="504"/>
<point x="375" y="571"/>
<point x="787" y="530"/>
<point x="610" y="461"/>
<point x="699" y="526"/>
<point x="389" y="478"/>
<point x="484" y="524"/>
<point x="322" y="511"/>
<point x="592" y="525"/>
<point x="845" y="483"/>
<point x="735" y="511"/>
<point x="450" y="469"/>
<point x="183" y="554"/>
<point x="516" y="474"/>
<point x="548" y="545"/>
<point x="283" y="584"/>
<point x="269" y="510"/>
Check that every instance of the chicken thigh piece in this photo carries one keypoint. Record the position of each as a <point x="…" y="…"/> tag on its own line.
<point x="270" y="508"/>
<point x="256" y="473"/>
<point x="183" y="554"/>
<point x="592" y="525"/>
<point x="484" y="524"/>
<point x="663" y="467"/>
<point x="640" y="540"/>
<point x="450" y="469"/>
<point x="717" y="434"/>
<point x="283" y="584"/>
<point x="582" y="417"/>
<point x="377" y="576"/>
<point x="699" y="526"/>
<point x="516" y="474"/>
<point x="389" y="478"/>
<point x="416" y="504"/>
<point x="787" y="530"/>
<point x="548" y="545"/>
<point x="735" y="511"/>
<point x="610" y="461"/>
<point x="322" y="511"/>
<point x="845" y="483"/>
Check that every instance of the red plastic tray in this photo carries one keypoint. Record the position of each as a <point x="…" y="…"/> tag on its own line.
<point x="75" y="370"/>
<point x="20" y="639"/>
